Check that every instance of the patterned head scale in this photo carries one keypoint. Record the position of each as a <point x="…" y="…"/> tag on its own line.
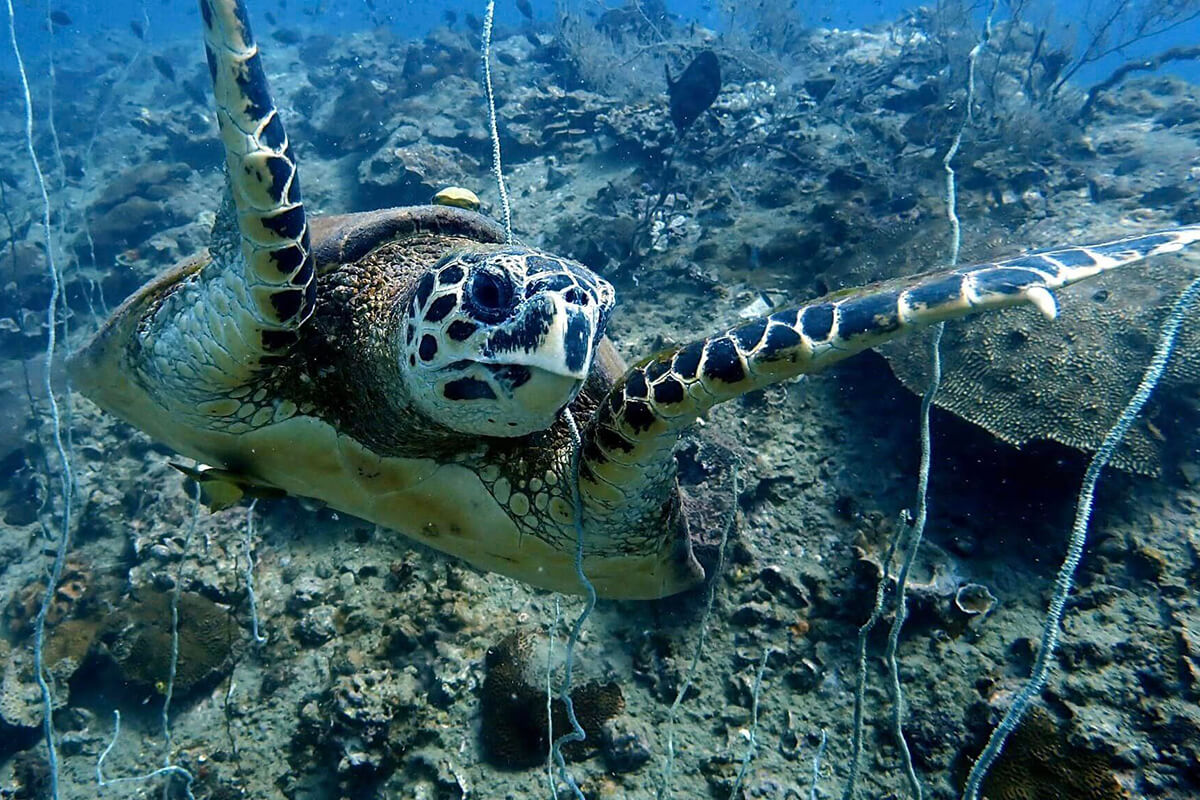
<point x="496" y="343"/>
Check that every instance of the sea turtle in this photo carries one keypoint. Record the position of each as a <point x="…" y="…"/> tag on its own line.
<point x="411" y="367"/>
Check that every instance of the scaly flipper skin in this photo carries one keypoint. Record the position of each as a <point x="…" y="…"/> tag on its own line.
<point x="626" y="469"/>
<point x="238" y="313"/>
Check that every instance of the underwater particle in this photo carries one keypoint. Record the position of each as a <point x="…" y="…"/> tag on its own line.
<point x="514" y="732"/>
<point x="1039" y="763"/>
<point x="139" y="641"/>
<point x="695" y="90"/>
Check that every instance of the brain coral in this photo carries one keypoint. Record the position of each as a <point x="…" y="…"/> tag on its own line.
<point x="1039" y="763"/>
<point x="140" y="640"/>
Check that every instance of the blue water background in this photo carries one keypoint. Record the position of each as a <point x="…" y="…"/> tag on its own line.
<point x="175" y="19"/>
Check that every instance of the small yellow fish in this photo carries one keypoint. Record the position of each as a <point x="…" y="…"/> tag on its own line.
<point x="222" y="489"/>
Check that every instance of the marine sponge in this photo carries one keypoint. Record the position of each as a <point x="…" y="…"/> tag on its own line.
<point x="514" y="732"/>
<point x="1038" y="763"/>
<point x="71" y="591"/>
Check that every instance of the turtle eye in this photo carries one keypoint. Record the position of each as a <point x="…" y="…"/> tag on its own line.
<point x="490" y="295"/>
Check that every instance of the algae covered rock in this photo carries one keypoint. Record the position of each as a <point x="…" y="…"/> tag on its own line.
<point x="73" y="589"/>
<point x="67" y="646"/>
<point x="411" y="173"/>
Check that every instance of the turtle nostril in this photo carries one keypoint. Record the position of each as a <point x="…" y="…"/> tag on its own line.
<point x="491" y="294"/>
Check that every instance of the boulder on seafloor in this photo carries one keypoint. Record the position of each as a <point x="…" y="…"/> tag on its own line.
<point x="361" y="725"/>
<point x="135" y="206"/>
<point x="410" y="174"/>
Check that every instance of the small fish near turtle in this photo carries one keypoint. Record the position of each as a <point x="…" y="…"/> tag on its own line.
<point x="414" y="368"/>
<point x="695" y="90"/>
<point x="164" y="67"/>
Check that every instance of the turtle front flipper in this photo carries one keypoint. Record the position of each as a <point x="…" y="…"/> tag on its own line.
<point x="191" y="349"/>
<point x="627" y="473"/>
<point x="218" y="329"/>
<point x="259" y="288"/>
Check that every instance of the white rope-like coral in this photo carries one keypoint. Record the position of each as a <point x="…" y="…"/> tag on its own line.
<point x="497" y="169"/>
<point x="576" y="733"/>
<point x="1083" y="515"/>
<point x="915" y="531"/>
<point x="67" y="479"/>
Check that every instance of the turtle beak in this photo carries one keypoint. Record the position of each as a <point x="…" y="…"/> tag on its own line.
<point x="548" y="333"/>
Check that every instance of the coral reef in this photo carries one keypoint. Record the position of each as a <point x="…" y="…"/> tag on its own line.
<point x="389" y="672"/>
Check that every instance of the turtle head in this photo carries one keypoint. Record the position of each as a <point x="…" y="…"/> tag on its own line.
<point x="497" y="343"/>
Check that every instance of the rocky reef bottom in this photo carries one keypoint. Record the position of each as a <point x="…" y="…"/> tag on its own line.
<point x="370" y="667"/>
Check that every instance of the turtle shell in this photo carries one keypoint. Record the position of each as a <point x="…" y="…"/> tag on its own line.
<point x="345" y="238"/>
<point x="323" y="423"/>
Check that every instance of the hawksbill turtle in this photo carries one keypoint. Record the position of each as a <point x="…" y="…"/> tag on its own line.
<point x="411" y="367"/>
